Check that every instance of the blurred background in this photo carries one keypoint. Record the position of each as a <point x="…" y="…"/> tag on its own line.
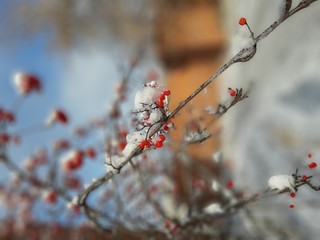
<point x="80" y="50"/>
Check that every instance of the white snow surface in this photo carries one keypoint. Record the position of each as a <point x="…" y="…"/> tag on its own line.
<point x="281" y="182"/>
<point x="147" y="95"/>
<point x="214" y="208"/>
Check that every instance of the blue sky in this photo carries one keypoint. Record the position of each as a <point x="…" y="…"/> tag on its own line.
<point x="80" y="81"/>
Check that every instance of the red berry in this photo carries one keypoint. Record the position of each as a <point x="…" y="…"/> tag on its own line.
<point x="4" y="138"/>
<point x="122" y="145"/>
<point x="160" y="104"/>
<point x="291" y="206"/>
<point x="78" y="159"/>
<point x="51" y="197"/>
<point x="292" y="195"/>
<point x="232" y="92"/>
<point x="309" y="155"/>
<point x="60" y="116"/>
<point x="242" y="21"/>
<point x="90" y="153"/>
<point x="162" y="137"/>
<point x="61" y="145"/>
<point x="312" y="165"/>
<point x="167" y="92"/>
<point x="230" y="184"/>
<point x="158" y="144"/>
<point x="27" y="83"/>
<point x="147" y="117"/>
<point x="148" y="144"/>
<point x="142" y="144"/>
<point x="167" y="223"/>
<point x="304" y="178"/>
<point x="166" y="128"/>
<point x="162" y="97"/>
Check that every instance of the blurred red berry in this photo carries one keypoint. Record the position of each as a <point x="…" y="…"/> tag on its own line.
<point x="230" y="184"/>
<point x="90" y="153"/>
<point x="60" y="116"/>
<point x="27" y="83"/>
<point x="4" y="138"/>
<point x="50" y="197"/>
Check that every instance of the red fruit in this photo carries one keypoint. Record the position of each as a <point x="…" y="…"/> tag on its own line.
<point x="61" y="145"/>
<point x="167" y="223"/>
<point x="90" y="153"/>
<point x="304" y="178"/>
<point x="232" y="92"/>
<point x="142" y="144"/>
<point x="162" y="97"/>
<point x="27" y="83"/>
<point x="4" y="138"/>
<point x="73" y="182"/>
<point x="148" y="144"/>
<point x="230" y="184"/>
<point x="78" y="159"/>
<point x="8" y="116"/>
<point x="161" y="137"/>
<point x="158" y="144"/>
<point x="166" y="128"/>
<point x="242" y="21"/>
<point x="70" y="165"/>
<point x="60" y="116"/>
<point x="309" y="155"/>
<point x="122" y="145"/>
<point x="51" y="197"/>
<point x="167" y="92"/>
<point x="292" y="195"/>
<point x="291" y="206"/>
<point x="312" y="165"/>
<point x="160" y="104"/>
<point x="147" y="117"/>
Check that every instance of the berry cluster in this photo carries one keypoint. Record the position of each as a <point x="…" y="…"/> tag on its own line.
<point x="155" y="141"/>
<point x="160" y="102"/>
<point x="27" y="83"/>
<point x="6" y="116"/>
<point x="312" y="164"/>
<point x="73" y="160"/>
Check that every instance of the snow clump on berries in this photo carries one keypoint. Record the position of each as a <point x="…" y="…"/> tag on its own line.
<point x="282" y="182"/>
